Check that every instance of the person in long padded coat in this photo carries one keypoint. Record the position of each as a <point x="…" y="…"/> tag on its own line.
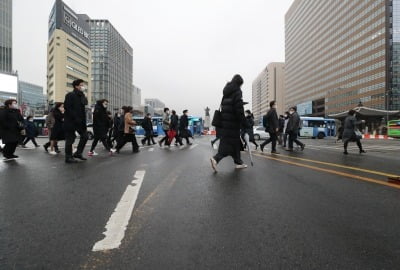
<point x="232" y="119"/>
<point x="101" y="125"/>
<point x="349" y="132"/>
<point x="11" y="124"/>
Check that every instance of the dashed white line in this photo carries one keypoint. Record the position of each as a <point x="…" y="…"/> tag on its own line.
<point x="193" y="146"/>
<point x="116" y="225"/>
<point x="151" y="149"/>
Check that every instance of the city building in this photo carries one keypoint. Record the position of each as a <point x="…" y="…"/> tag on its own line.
<point x="6" y="36"/>
<point x="31" y="96"/>
<point x="112" y="64"/>
<point x="342" y="53"/>
<point x="68" y="52"/>
<point x="136" y="96"/>
<point x="268" y="86"/>
<point x="155" y="103"/>
<point x="8" y="87"/>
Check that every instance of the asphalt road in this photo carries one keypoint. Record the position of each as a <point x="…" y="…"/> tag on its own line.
<point x="316" y="209"/>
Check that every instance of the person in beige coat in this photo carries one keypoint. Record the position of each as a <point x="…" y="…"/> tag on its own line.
<point x="129" y="131"/>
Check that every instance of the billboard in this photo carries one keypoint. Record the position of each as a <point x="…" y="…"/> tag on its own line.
<point x="64" y="18"/>
<point x="305" y="108"/>
<point x="8" y="84"/>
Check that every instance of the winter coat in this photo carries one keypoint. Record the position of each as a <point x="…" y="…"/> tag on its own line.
<point x="165" y="121"/>
<point x="10" y="131"/>
<point x="248" y="128"/>
<point x="293" y="123"/>
<point x="174" y="122"/>
<point x="30" y="129"/>
<point x="232" y="112"/>
<point x="57" y="132"/>
<point x="350" y="126"/>
<point x="183" y="122"/>
<point x="147" y="124"/>
<point x="75" y="114"/>
<point x="50" y="121"/>
<point x="272" y="121"/>
<point x="101" y="121"/>
<point x="129" y="124"/>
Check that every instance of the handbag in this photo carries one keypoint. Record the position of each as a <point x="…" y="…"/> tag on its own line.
<point x="358" y="134"/>
<point x="217" y="118"/>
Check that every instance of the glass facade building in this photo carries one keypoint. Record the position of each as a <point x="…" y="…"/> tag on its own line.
<point x="344" y="53"/>
<point x="31" y="95"/>
<point x="6" y="36"/>
<point x="112" y="65"/>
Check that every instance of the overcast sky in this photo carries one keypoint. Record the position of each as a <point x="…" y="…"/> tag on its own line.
<point x="184" y="50"/>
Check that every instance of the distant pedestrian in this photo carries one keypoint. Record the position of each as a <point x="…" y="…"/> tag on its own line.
<point x="101" y="125"/>
<point x="232" y="119"/>
<point x="271" y="124"/>
<point x="285" y="132"/>
<point x="129" y="131"/>
<point x="248" y="129"/>
<point x="165" y="125"/>
<point x="174" y="128"/>
<point x="281" y="128"/>
<point x="49" y="121"/>
<point x="31" y="132"/>
<point x="11" y="125"/>
<point x="75" y="121"/>
<point x="147" y="125"/>
<point x="184" y="131"/>
<point x="350" y="132"/>
<point x="293" y="128"/>
<point x="57" y="132"/>
<point x="118" y="126"/>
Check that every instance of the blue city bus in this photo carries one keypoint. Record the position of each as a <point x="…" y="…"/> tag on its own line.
<point x="317" y="127"/>
<point x="195" y="125"/>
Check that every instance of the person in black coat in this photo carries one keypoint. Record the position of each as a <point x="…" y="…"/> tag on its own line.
<point x="147" y="125"/>
<point x="57" y="132"/>
<point x="248" y="128"/>
<point x="184" y="132"/>
<point x="11" y="124"/>
<point x="31" y="132"/>
<point x="293" y="128"/>
<point x="232" y="119"/>
<point x="271" y="124"/>
<point x="101" y="125"/>
<point x="174" y="126"/>
<point x="75" y="121"/>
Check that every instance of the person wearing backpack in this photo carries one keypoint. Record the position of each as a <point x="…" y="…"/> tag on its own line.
<point x="271" y="124"/>
<point x="293" y="128"/>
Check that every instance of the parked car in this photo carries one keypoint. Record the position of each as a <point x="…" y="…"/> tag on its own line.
<point x="259" y="133"/>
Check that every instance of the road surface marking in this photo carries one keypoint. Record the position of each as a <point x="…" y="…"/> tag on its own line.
<point x="340" y="166"/>
<point x="193" y="146"/>
<point x="116" y="225"/>
<point x="362" y="178"/>
<point x="151" y="149"/>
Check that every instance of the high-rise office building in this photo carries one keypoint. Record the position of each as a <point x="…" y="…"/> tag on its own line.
<point x="112" y="64"/>
<point x="342" y="53"/>
<point x="136" y="96"/>
<point x="154" y="103"/>
<point x="68" y="52"/>
<point x="269" y="86"/>
<point x="31" y="95"/>
<point x="6" y="36"/>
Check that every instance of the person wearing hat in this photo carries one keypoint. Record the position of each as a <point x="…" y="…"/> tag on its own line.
<point x="293" y="128"/>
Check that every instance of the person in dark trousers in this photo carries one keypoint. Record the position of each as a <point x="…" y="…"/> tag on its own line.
<point x="217" y="137"/>
<point x="165" y="125"/>
<point x="117" y="134"/>
<point x="293" y="128"/>
<point x="249" y="129"/>
<point x="232" y="119"/>
<point x="147" y="125"/>
<point x="129" y="131"/>
<point x="101" y="125"/>
<point x="11" y="125"/>
<point x="50" y="121"/>
<point x="174" y="126"/>
<point x="75" y="121"/>
<point x="31" y="132"/>
<point x="110" y="129"/>
<point x="281" y="128"/>
<point x="271" y="124"/>
<point x="184" y="131"/>
<point x="57" y="132"/>
<point x="285" y="134"/>
<point x="349" y="131"/>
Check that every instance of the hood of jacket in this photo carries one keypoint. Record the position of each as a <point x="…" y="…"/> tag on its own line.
<point x="233" y="86"/>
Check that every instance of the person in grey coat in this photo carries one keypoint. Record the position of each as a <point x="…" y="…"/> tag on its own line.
<point x="165" y="125"/>
<point x="292" y="128"/>
<point x="349" y="132"/>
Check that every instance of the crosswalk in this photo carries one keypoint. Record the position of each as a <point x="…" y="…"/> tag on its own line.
<point x="371" y="148"/>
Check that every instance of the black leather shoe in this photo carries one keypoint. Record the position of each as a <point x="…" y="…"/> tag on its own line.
<point x="79" y="157"/>
<point x="70" y="160"/>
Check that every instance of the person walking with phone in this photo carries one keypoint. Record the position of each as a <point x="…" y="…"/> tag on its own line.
<point x="350" y="132"/>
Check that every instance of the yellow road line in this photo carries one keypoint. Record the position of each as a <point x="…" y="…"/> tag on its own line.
<point x="362" y="178"/>
<point x="340" y="166"/>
